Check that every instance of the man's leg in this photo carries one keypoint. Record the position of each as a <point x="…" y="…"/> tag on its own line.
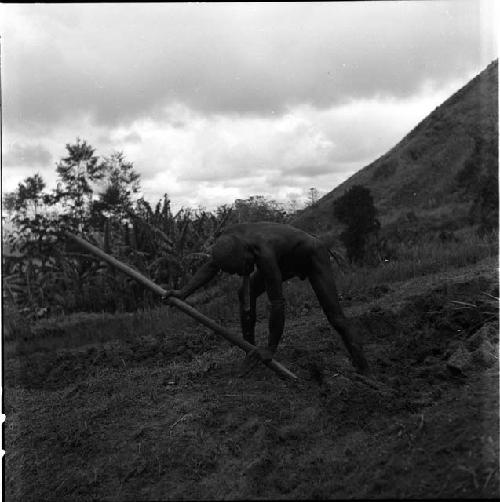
<point x="248" y="306"/>
<point x="321" y="278"/>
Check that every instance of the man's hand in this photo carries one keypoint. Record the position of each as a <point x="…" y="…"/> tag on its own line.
<point x="176" y="293"/>
<point x="253" y="358"/>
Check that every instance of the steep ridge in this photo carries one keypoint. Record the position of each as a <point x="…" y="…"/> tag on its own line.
<point x="435" y="167"/>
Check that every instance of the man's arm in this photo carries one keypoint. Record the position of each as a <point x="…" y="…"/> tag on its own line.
<point x="202" y="276"/>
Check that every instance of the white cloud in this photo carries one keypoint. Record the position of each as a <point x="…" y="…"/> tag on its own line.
<point x="214" y="102"/>
<point x="118" y="62"/>
<point x="30" y="155"/>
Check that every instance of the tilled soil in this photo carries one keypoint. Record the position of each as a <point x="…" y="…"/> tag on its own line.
<point x="167" y="417"/>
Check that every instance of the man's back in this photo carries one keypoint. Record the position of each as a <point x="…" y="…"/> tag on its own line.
<point x="280" y="237"/>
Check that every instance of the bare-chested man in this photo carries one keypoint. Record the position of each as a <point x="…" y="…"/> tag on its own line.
<point x="271" y="253"/>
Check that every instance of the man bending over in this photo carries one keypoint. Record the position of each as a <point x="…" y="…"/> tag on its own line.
<point x="266" y="254"/>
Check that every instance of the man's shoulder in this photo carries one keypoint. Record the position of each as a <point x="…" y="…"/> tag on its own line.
<point x="268" y="238"/>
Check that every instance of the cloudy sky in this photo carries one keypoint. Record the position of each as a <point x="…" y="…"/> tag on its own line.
<point x="213" y="102"/>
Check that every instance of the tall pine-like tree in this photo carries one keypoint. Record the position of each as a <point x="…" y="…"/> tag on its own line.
<point x="77" y="172"/>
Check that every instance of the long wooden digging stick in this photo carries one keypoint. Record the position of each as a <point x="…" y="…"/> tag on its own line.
<point x="187" y="309"/>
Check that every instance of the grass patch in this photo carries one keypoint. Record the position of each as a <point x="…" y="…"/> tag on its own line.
<point x="419" y="260"/>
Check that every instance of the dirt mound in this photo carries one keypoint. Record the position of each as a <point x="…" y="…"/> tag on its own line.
<point x="166" y="417"/>
<point x="46" y="370"/>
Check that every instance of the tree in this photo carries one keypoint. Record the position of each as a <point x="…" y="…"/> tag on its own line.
<point x="356" y="210"/>
<point x="77" y="171"/>
<point x="258" y="208"/>
<point x="29" y="226"/>
<point x="9" y="202"/>
<point x="122" y="181"/>
<point x="28" y="194"/>
<point x="313" y="196"/>
<point x="293" y="205"/>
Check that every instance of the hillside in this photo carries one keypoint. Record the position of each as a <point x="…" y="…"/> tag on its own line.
<point x="433" y="169"/>
<point x="148" y="406"/>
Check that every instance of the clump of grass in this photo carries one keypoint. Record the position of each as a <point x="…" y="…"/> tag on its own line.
<point x="421" y="259"/>
<point x="485" y="307"/>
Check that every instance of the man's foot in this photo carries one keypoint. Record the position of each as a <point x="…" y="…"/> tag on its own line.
<point x="253" y="358"/>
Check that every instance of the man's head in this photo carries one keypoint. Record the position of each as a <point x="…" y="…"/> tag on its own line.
<point x="232" y="256"/>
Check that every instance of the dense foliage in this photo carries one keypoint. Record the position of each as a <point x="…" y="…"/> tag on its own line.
<point x="97" y="198"/>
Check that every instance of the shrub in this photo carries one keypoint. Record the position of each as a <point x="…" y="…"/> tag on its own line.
<point x="356" y="210"/>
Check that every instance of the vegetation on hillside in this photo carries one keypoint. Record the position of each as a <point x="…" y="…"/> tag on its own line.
<point x="438" y="171"/>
